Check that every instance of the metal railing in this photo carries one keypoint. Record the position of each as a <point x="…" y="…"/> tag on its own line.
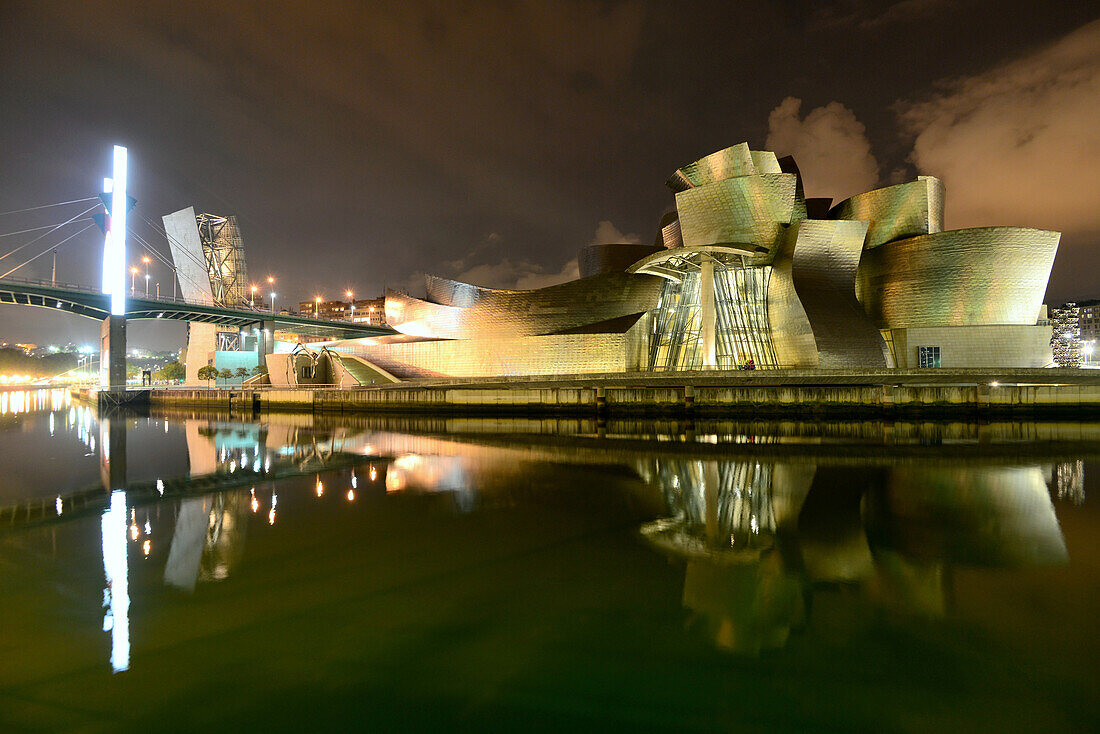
<point x="175" y="300"/>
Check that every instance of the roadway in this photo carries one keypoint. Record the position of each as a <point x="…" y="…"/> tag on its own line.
<point x="90" y="303"/>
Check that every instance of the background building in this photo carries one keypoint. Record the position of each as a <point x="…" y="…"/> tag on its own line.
<point x="371" y="311"/>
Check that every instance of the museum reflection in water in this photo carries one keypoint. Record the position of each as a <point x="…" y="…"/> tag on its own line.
<point x="759" y="536"/>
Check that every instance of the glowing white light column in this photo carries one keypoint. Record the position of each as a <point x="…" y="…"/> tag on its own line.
<point x="117" y="619"/>
<point x="108" y="187"/>
<point x="114" y="253"/>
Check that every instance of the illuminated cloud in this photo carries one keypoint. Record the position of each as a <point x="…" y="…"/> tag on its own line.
<point x="527" y="275"/>
<point x="1019" y="143"/>
<point x="830" y="146"/>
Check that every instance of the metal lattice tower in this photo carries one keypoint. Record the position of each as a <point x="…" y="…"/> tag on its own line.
<point x="223" y="251"/>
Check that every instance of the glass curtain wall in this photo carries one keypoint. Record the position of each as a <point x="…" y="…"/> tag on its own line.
<point x="741" y="321"/>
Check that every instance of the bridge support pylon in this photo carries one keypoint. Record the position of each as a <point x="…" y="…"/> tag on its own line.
<point x="112" y="353"/>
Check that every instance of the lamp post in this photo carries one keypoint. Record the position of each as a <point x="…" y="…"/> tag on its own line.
<point x="271" y="285"/>
<point x="317" y="307"/>
<point x="252" y="300"/>
<point x="147" y="285"/>
<point x="145" y="261"/>
<point x="133" y="275"/>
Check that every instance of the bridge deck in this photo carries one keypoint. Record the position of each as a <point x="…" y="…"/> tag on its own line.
<point x="90" y="303"/>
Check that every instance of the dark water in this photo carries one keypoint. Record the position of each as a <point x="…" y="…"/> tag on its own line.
<point x="307" y="574"/>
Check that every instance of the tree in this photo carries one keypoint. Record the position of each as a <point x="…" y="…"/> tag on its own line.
<point x="208" y="373"/>
<point x="225" y="374"/>
<point x="241" y="372"/>
<point x="172" y="372"/>
<point x="260" y="369"/>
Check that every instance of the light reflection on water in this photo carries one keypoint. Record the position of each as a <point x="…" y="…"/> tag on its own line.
<point x="766" y="524"/>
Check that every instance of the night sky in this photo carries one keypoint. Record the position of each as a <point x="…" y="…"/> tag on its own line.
<point x="361" y="144"/>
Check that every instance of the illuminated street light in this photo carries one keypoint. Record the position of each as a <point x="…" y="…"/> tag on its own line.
<point x="252" y="301"/>
<point x="147" y="285"/>
<point x="133" y="275"/>
<point x="271" y="285"/>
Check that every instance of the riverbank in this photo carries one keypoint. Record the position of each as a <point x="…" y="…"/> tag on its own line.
<point x="975" y="393"/>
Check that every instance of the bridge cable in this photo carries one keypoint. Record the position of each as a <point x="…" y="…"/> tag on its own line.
<point x="44" y="234"/>
<point x="37" y="229"/>
<point x="47" y="206"/>
<point x="164" y="260"/>
<point x="59" y="244"/>
<point x="203" y="265"/>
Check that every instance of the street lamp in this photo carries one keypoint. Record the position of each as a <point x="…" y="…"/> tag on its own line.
<point x="147" y="285"/>
<point x="252" y="301"/>
<point x="133" y="275"/>
<point x="271" y="285"/>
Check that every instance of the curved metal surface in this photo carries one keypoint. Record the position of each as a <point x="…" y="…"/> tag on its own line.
<point x="568" y="306"/>
<point x="726" y="163"/>
<point x="826" y="257"/>
<point x="962" y="277"/>
<point x="449" y="292"/>
<point x="791" y="335"/>
<point x="749" y="209"/>
<point x="896" y="212"/>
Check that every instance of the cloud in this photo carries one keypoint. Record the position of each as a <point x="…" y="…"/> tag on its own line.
<point x="1018" y="144"/>
<point x="830" y="146"/>
<point x="522" y="274"/>
<point x="868" y="15"/>
<point x="608" y="234"/>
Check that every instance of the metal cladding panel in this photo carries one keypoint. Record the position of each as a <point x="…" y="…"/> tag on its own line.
<point x="449" y="292"/>
<point x="749" y="209"/>
<point x="791" y="335"/>
<point x="728" y="163"/>
<point x="183" y="238"/>
<point x="500" y="355"/>
<point x="558" y="308"/>
<point x="671" y="236"/>
<point x="963" y="277"/>
<point x="896" y="212"/>
<point x="597" y="259"/>
<point x="764" y="161"/>
<point x="826" y="258"/>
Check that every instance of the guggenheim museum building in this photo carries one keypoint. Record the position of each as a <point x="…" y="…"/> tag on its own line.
<point x="746" y="271"/>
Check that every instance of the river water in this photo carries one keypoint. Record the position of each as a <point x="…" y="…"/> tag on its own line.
<point x="292" y="572"/>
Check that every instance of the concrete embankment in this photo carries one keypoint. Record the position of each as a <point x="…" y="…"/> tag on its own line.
<point x="1029" y="392"/>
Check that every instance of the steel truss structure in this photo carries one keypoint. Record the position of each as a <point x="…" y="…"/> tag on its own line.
<point x="223" y="250"/>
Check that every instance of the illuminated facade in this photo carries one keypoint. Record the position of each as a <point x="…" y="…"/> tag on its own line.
<point x="747" y="273"/>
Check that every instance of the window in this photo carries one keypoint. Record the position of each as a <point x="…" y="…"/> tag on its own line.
<point x="928" y="357"/>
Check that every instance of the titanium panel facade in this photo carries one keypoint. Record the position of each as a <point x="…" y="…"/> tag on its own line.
<point x="963" y="277"/>
<point x="503" y="355"/>
<point x="791" y="335"/>
<point x="728" y="163"/>
<point x="749" y="209"/>
<point x="896" y="212"/>
<point x="826" y="257"/>
<point x="568" y="306"/>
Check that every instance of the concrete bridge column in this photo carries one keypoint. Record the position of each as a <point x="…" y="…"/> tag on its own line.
<point x="112" y="353"/>
<point x="266" y="343"/>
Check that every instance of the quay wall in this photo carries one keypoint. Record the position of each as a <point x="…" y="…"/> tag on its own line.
<point x="642" y="400"/>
